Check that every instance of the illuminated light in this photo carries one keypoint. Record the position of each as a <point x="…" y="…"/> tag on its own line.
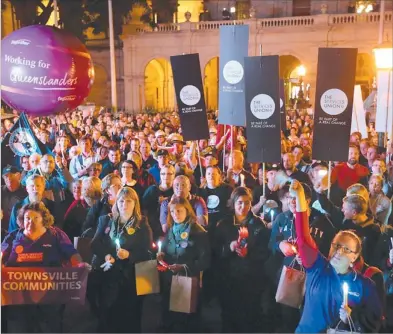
<point x="322" y="172"/>
<point x="159" y="246"/>
<point x="233" y="10"/>
<point x="117" y="242"/>
<point x="369" y="8"/>
<point x="383" y="58"/>
<point x="345" y="293"/>
<point x="154" y="245"/>
<point x="301" y="71"/>
<point x="271" y="215"/>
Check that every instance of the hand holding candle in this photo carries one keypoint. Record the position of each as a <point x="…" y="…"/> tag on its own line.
<point x="159" y="244"/>
<point x="345" y="294"/>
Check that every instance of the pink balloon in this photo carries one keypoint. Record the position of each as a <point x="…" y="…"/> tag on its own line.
<point x="44" y="70"/>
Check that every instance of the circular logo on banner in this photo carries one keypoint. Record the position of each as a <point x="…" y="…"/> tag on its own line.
<point x="262" y="106"/>
<point x="190" y="95"/>
<point x="334" y="101"/>
<point x="22" y="142"/>
<point x="212" y="201"/>
<point x="233" y="72"/>
<point x="281" y="103"/>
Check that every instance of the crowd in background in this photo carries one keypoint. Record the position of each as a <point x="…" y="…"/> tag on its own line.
<point x="128" y="181"/>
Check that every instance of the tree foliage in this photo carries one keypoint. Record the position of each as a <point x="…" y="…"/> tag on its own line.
<point x="77" y="15"/>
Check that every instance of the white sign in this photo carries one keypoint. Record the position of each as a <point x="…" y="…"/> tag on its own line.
<point x="190" y="95"/>
<point x="384" y="116"/>
<point x="281" y="103"/>
<point x="262" y="106"/>
<point x="358" y="113"/>
<point x="233" y="72"/>
<point x="334" y="102"/>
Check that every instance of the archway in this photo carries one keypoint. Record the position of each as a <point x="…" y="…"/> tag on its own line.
<point x="99" y="90"/>
<point x="289" y="73"/>
<point x="365" y="73"/>
<point x="159" y="89"/>
<point x="210" y="83"/>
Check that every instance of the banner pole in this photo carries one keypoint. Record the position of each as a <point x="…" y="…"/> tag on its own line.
<point x="199" y="158"/>
<point x="232" y="146"/>
<point x="223" y="156"/>
<point x="329" y="180"/>
<point x="264" y="180"/>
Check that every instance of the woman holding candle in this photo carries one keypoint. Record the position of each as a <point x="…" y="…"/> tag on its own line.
<point x="326" y="304"/>
<point x="186" y="251"/>
<point x="241" y="245"/>
<point x="123" y="238"/>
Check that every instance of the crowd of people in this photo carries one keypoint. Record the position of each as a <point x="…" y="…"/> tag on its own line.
<point x="131" y="181"/>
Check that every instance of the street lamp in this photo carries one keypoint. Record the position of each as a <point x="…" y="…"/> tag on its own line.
<point x="384" y="120"/>
<point x="364" y="7"/>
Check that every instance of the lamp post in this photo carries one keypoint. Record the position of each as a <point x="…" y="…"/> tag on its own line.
<point x="301" y="72"/>
<point x="384" y="120"/>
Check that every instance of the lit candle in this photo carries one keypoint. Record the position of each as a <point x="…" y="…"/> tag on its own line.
<point x="345" y="293"/>
<point x="159" y="246"/>
<point x="155" y="18"/>
<point x="117" y="242"/>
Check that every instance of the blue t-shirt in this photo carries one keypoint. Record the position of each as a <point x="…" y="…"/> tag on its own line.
<point x="52" y="249"/>
<point x="324" y="296"/>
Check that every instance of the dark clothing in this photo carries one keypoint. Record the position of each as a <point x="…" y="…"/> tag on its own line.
<point x="151" y="207"/>
<point x="8" y="200"/>
<point x="148" y="163"/>
<point x="270" y="195"/>
<point x="74" y="218"/>
<point x="367" y="231"/>
<point x="99" y="209"/>
<point x="301" y="177"/>
<point x="241" y="301"/>
<point x="323" y="231"/>
<point x="108" y="167"/>
<point x="217" y="204"/>
<point x="249" y="179"/>
<point x="119" y="307"/>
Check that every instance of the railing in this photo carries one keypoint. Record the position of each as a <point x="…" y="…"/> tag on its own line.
<point x="216" y="24"/>
<point x="358" y="18"/>
<point x="297" y="21"/>
<point x="287" y="22"/>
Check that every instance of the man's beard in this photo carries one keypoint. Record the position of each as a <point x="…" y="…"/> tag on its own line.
<point x="352" y="162"/>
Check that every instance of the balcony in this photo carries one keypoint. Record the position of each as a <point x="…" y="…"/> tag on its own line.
<point x="298" y="21"/>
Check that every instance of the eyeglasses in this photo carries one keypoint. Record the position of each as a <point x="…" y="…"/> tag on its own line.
<point x="345" y="249"/>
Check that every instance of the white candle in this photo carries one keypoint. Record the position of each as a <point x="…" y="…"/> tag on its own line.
<point x="155" y="18"/>
<point x="271" y="215"/>
<point x="117" y="242"/>
<point x="159" y="246"/>
<point x="345" y="293"/>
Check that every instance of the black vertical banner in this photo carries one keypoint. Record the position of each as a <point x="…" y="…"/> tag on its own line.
<point x="262" y="87"/>
<point x="333" y="103"/>
<point x="189" y="95"/>
<point x="233" y="49"/>
<point x="283" y="119"/>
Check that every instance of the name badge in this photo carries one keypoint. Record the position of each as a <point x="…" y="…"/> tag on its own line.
<point x="30" y="257"/>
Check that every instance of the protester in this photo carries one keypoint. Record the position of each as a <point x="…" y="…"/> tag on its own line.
<point x="186" y="250"/>
<point x="122" y="239"/>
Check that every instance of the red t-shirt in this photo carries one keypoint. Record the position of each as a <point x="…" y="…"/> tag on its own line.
<point x="346" y="176"/>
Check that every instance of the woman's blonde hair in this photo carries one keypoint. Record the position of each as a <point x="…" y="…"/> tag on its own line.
<point x="91" y="188"/>
<point x="47" y="218"/>
<point x="107" y="181"/>
<point x="358" y="189"/>
<point x="184" y="202"/>
<point x="128" y="192"/>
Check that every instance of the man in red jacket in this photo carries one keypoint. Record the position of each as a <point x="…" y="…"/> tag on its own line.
<point x="348" y="173"/>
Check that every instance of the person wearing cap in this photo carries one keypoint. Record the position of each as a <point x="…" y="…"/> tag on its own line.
<point x="162" y="159"/>
<point x="11" y="192"/>
<point x="160" y="138"/>
<point x="258" y="200"/>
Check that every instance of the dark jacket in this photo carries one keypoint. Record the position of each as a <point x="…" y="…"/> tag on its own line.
<point x="250" y="267"/>
<point x="99" y="209"/>
<point x="195" y="253"/>
<point x="139" y="244"/>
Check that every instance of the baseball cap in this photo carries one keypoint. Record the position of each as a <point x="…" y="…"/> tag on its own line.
<point x="162" y="153"/>
<point x="10" y="169"/>
<point x="319" y="163"/>
<point x="270" y="167"/>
